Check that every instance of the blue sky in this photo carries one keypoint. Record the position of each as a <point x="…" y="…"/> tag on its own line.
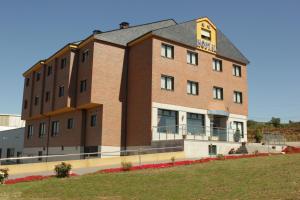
<point x="267" y="32"/>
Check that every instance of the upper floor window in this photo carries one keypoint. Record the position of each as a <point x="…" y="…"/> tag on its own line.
<point x="167" y="51"/>
<point x="36" y="100"/>
<point x="192" y="87"/>
<point x="63" y="63"/>
<point x="237" y="97"/>
<point x="70" y="123"/>
<point x="27" y="81"/>
<point x="217" y="65"/>
<point x="167" y="82"/>
<point x="237" y="70"/>
<point x="205" y="34"/>
<point x="93" y="120"/>
<point x="38" y="76"/>
<point x="42" y="130"/>
<point x="192" y="58"/>
<point x="85" y="55"/>
<point x="83" y="86"/>
<point x="218" y="93"/>
<point x="29" y="131"/>
<point x="47" y="96"/>
<point x="25" y="104"/>
<point x="55" y="128"/>
<point x="49" y="70"/>
<point x="61" y="91"/>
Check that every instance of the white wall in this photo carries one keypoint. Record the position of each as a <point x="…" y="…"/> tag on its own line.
<point x="13" y="138"/>
<point x="199" y="149"/>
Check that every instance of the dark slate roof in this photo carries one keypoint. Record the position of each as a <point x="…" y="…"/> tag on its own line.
<point x="185" y="33"/>
<point x="124" y="36"/>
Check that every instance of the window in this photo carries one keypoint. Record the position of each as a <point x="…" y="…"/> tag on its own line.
<point x="40" y="153"/>
<point x="212" y="149"/>
<point x="93" y="120"/>
<point x="192" y="58"/>
<point x="237" y="70"/>
<point x="217" y="65"/>
<point x="167" y="82"/>
<point x="42" y="129"/>
<point x="167" y="51"/>
<point x="85" y="55"/>
<point x="27" y="81"/>
<point x="195" y="123"/>
<point x="38" y="76"/>
<point x="49" y="70"/>
<point x="0" y="153"/>
<point x="205" y="34"/>
<point x="192" y="88"/>
<point x="239" y="126"/>
<point x="237" y="97"/>
<point x="70" y="123"/>
<point x="29" y="131"/>
<point x="25" y="104"/>
<point x="47" y="96"/>
<point x="36" y="100"/>
<point x="63" y="63"/>
<point x="10" y="152"/>
<point x="55" y="128"/>
<point x="218" y="93"/>
<point x="83" y="86"/>
<point x="167" y="121"/>
<point x="61" y="91"/>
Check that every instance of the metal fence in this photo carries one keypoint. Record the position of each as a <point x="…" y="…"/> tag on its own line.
<point x="274" y="139"/>
<point x="77" y="156"/>
<point x="195" y="132"/>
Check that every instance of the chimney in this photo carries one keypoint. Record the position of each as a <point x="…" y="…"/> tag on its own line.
<point x="96" y="32"/>
<point x="124" y="25"/>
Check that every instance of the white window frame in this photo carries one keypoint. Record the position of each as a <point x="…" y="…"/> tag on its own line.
<point x="238" y="97"/>
<point x="167" y="82"/>
<point x="217" y="65"/>
<point x="218" y="93"/>
<point x="192" y="87"/>
<point x="192" y="58"/>
<point x="167" y="51"/>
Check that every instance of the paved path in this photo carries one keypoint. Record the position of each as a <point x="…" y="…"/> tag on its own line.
<point x="81" y="171"/>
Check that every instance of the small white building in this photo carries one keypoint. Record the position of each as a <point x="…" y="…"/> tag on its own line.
<point x="11" y="136"/>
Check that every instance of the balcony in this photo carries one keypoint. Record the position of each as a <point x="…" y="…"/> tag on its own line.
<point x="205" y="133"/>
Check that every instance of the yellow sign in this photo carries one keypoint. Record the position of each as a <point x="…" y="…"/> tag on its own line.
<point x="206" y="35"/>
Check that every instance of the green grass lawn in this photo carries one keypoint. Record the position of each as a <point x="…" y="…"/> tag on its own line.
<point x="273" y="177"/>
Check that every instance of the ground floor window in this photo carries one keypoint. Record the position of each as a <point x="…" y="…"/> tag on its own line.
<point x="212" y="149"/>
<point x="239" y="126"/>
<point x="167" y="121"/>
<point x="10" y="152"/>
<point x="195" y="123"/>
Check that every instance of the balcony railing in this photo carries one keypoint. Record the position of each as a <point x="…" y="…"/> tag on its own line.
<point x="205" y="133"/>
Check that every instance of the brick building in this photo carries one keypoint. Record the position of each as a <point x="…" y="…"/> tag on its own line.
<point x="134" y="86"/>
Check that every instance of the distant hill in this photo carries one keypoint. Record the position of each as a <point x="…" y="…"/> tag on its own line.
<point x="291" y="130"/>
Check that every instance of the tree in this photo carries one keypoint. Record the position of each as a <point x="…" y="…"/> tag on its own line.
<point x="275" y="121"/>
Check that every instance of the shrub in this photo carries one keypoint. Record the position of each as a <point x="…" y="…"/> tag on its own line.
<point x="232" y="151"/>
<point x="62" y="170"/>
<point x="258" y="136"/>
<point x="220" y="157"/>
<point x="126" y="166"/>
<point x="173" y="160"/>
<point x="3" y="175"/>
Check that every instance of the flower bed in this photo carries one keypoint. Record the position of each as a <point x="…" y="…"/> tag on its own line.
<point x="290" y="149"/>
<point x="31" y="178"/>
<point x="180" y="163"/>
